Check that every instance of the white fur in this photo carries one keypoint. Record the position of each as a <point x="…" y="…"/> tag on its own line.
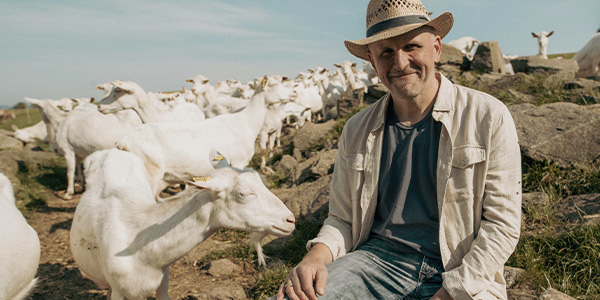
<point x="542" y="39"/>
<point x="19" y="248"/>
<point x="124" y="241"/>
<point x="588" y="58"/>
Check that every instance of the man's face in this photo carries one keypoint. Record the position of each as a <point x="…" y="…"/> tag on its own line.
<point x="406" y="64"/>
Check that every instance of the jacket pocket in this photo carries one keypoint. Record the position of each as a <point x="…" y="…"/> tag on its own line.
<point x="467" y="176"/>
<point x="466" y="156"/>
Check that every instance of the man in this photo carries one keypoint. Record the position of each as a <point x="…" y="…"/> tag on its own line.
<point x="425" y="197"/>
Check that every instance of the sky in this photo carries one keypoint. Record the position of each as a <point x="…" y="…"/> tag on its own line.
<point x="64" y="48"/>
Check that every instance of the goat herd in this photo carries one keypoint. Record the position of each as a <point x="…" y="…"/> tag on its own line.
<point x="134" y="144"/>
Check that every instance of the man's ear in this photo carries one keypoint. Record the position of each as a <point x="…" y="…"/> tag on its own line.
<point x="437" y="48"/>
<point x="371" y="60"/>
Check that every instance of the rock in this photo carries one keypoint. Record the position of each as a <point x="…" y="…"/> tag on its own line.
<point x="297" y="155"/>
<point x="10" y="143"/>
<point x="451" y="55"/>
<point x="285" y="164"/>
<point x="223" y="267"/>
<point x="534" y="64"/>
<point x="512" y="274"/>
<point x="313" y="168"/>
<point x="581" y="209"/>
<point x="565" y="133"/>
<point x="311" y="135"/>
<point x="535" y="198"/>
<point x="307" y="200"/>
<point x="582" y="83"/>
<point x="488" y="58"/>
<point x="552" y="294"/>
<point x="374" y="93"/>
<point x="220" y="291"/>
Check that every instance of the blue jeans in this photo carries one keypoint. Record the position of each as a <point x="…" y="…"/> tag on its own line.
<point x="374" y="272"/>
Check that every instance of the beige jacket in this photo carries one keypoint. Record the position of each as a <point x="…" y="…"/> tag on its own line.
<point x="478" y="188"/>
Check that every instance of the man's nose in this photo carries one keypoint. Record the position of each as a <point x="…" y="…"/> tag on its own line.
<point x="401" y="60"/>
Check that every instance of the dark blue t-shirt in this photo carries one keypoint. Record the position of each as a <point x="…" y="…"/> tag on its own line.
<point x="407" y="212"/>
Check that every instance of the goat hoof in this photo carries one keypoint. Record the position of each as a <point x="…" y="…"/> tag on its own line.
<point x="64" y="195"/>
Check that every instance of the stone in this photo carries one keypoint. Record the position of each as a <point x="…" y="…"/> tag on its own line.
<point x="10" y="143"/>
<point x="488" y="58"/>
<point x="564" y="133"/>
<point x="581" y="209"/>
<point x="285" y="164"/>
<point x="223" y="267"/>
<point x="535" y="64"/>
<point x="552" y="294"/>
<point x="311" y="135"/>
<point x="451" y="55"/>
<point x="313" y="168"/>
<point x="512" y="274"/>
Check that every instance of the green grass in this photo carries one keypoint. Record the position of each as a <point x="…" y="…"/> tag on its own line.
<point x="24" y="118"/>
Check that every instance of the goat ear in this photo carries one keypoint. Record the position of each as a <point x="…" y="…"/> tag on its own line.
<point x="551" y="32"/>
<point x="217" y="160"/>
<point x="534" y="35"/>
<point x="200" y="183"/>
<point x="31" y="100"/>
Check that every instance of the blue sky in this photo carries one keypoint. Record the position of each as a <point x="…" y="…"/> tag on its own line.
<point x="54" y="49"/>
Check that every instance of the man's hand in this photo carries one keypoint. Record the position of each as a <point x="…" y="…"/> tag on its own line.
<point x="441" y="294"/>
<point x="308" y="275"/>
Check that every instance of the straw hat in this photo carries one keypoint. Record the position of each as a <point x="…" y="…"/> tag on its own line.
<point x="390" y="18"/>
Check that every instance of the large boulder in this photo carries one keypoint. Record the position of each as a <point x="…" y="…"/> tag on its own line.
<point x="565" y="133"/>
<point x="451" y="55"/>
<point x="488" y="58"/>
<point x="311" y="135"/>
<point x="534" y="64"/>
<point x="8" y="142"/>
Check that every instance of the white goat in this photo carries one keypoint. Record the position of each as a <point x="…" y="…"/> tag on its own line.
<point x="124" y="241"/>
<point x="588" y="58"/>
<point x="178" y="148"/>
<point x="466" y="44"/>
<point x="129" y="95"/>
<point x="20" y="250"/>
<point x="29" y="134"/>
<point x="86" y="130"/>
<point x="52" y="115"/>
<point x="205" y="93"/>
<point x="542" y="38"/>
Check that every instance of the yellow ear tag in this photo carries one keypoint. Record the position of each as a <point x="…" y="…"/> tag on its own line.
<point x="218" y="157"/>
<point x="201" y="179"/>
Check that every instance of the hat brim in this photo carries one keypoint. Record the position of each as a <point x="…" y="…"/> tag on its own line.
<point x="441" y="26"/>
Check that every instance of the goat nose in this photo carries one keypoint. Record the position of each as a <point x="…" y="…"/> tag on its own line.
<point x="291" y="219"/>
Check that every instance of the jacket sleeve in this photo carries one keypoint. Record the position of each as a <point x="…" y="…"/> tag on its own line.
<point x="336" y="232"/>
<point x="499" y="231"/>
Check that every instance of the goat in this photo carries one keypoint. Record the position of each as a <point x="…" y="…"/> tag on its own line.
<point x="20" y="250"/>
<point x="85" y="130"/>
<point x="467" y="45"/>
<point x="173" y="148"/>
<point x="542" y="38"/>
<point x="129" y="95"/>
<point x="5" y="115"/>
<point x="29" y="134"/>
<point x="124" y="241"/>
<point x="588" y="58"/>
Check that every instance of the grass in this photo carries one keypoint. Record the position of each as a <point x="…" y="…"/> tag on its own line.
<point x="567" y="260"/>
<point x="24" y="118"/>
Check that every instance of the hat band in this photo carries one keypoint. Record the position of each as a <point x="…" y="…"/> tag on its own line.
<point x="396" y="22"/>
